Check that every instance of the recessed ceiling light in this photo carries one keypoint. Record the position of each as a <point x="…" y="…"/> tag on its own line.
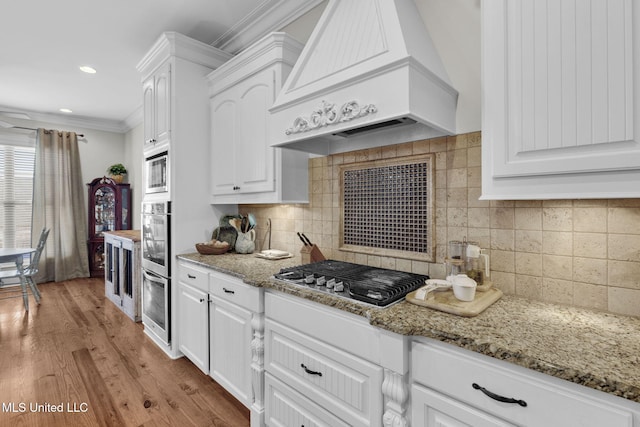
<point x="66" y="110"/>
<point x="87" y="69"/>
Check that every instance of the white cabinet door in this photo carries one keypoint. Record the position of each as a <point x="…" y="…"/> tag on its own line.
<point x="255" y="158"/>
<point x="156" y="92"/>
<point x="230" y="351"/>
<point x="431" y="409"/>
<point x="193" y="326"/>
<point x="559" y="84"/>
<point x="113" y="287"/>
<point x="223" y="144"/>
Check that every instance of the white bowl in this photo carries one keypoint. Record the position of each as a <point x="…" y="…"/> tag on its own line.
<point x="464" y="288"/>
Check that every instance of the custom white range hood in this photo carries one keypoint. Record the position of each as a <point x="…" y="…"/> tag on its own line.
<point x="368" y="76"/>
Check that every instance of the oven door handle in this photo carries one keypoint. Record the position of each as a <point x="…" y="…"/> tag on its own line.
<point x="151" y="276"/>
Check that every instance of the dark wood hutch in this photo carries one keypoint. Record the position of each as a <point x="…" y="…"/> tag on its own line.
<point x="109" y="210"/>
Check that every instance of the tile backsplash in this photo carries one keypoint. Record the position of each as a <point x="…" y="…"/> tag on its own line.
<point x="576" y="252"/>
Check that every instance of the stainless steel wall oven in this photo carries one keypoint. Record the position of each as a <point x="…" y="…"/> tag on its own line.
<point x="156" y="267"/>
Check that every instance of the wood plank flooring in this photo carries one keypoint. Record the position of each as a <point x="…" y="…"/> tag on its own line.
<point x="76" y="360"/>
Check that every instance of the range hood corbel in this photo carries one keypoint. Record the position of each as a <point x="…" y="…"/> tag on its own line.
<point x="377" y="51"/>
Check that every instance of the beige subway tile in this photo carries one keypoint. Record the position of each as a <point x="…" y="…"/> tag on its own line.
<point x="441" y="161"/>
<point x="557" y="267"/>
<point x="503" y="261"/>
<point x="405" y="149"/>
<point x="557" y="291"/>
<point x="457" y="197"/>
<point x="374" y="260"/>
<point x="590" y="270"/>
<point x="529" y="286"/>
<point x="437" y="271"/>
<point x="506" y="282"/>
<point x="557" y="243"/>
<point x="473" y="198"/>
<point x="529" y="264"/>
<point x="315" y="162"/>
<point x="503" y="203"/>
<point x="457" y="233"/>
<point x="456" y="142"/>
<point x="528" y="241"/>
<point x="479" y="217"/>
<point x="441" y="197"/>
<point x="590" y="296"/>
<point x="389" y="152"/>
<point x="624" y="220"/>
<point x="528" y="218"/>
<point x="557" y="219"/>
<point x="587" y="203"/>
<point x="624" y="301"/>
<point x="349" y="157"/>
<point x="502" y="239"/>
<point x="502" y="217"/>
<point x="420" y="267"/>
<point x="590" y="245"/>
<point x="360" y="258"/>
<point x="474" y="139"/>
<point x="457" y="159"/>
<point x="558" y="203"/>
<point x="441" y="178"/>
<point x="528" y="203"/>
<point x="403" y="265"/>
<point x="624" y="203"/>
<point x="474" y="177"/>
<point x="457" y="178"/>
<point x="422" y="146"/>
<point x="474" y="157"/>
<point x="439" y="144"/>
<point x="480" y="235"/>
<point x="624" y="247"/>
<point x="624" y="274"/>
<point x="457" y="217"/>
<point x="590" y="219"/>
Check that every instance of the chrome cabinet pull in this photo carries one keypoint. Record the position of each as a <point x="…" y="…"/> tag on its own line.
<point x="498" y="397"/>
<point x="190" y="276"/>
<point x="228" y="291"/>
<point x="309" y="371"/>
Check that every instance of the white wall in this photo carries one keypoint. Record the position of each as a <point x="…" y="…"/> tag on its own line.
<point x="134" y="163"/>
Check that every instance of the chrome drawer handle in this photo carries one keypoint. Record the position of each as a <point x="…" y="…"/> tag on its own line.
<point x="228" y="291"/>
<point x="309" y="371"/>
<point x="498" y="397"/>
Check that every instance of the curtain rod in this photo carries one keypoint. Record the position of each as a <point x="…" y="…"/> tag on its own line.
<point x="80" y="135"/>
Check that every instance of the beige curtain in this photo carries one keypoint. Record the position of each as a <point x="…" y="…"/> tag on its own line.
<point x="58" y="204"/>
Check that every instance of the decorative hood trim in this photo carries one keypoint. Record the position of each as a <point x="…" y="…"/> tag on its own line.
<point x="367" y="63"/>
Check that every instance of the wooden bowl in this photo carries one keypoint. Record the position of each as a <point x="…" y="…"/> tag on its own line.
<point x="207" y="249"/>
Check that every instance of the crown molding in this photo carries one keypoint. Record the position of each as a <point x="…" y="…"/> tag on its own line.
<point x="269" y="16"/>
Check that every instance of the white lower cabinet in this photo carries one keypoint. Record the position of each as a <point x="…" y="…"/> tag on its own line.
<point x="286" y="407"/>
<point x="193" y="328"/>
<point x="455" y="387"/>
<point x="321" y="366"/>
<point x="236" y="324"/>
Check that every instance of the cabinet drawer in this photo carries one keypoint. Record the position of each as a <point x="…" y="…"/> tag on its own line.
<point x="194" y="276"/>
<point x="235" y="291"/>
<point x="284" y="407"/>
<point x="453" y="371"/>
<point x="340" y="382"/>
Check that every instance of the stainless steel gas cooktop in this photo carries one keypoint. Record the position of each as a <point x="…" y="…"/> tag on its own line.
<point x="371" y="285"/>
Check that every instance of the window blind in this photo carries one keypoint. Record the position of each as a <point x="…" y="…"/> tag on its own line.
<point x="17" y="163"/>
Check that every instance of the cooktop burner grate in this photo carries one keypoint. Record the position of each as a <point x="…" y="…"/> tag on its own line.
<point x="372" y="285"/>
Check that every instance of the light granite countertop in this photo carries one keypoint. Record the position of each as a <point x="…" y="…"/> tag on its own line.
<point x="595" y="349"/>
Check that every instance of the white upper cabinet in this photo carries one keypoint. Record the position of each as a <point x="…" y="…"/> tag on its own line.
<point x="157" y="108"/>
<point x="244" y="167"/>
<point x="559" y="83"/>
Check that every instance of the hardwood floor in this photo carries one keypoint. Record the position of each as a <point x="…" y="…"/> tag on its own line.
<point x="76" y="360"/>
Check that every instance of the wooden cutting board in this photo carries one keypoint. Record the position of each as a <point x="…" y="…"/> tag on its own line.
<point x="447" y="302"/>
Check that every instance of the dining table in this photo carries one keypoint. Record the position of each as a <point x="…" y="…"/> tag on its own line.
<point x="16" y="255"/>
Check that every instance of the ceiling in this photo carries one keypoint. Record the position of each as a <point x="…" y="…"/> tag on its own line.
<point x="45" y="42"/>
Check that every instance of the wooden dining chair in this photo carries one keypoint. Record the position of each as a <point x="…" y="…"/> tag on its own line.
<point x="28" y="272"/>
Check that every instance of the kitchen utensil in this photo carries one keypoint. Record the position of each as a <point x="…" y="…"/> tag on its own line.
<point x="252" y="220"/>
<point x="244" y="224"/>
<point x="464" y="288"/>
<point x="477" y="263"/>
<point x="302" y="239"/>
<point x="432" y="285"/>
<point x="307" y="239"/>
<point x="245" y="243"/>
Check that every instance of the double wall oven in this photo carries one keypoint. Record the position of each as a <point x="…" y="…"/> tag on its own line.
<point x="156" y="267"/>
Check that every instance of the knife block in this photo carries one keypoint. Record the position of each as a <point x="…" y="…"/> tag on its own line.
<point x="309" y="254"/>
